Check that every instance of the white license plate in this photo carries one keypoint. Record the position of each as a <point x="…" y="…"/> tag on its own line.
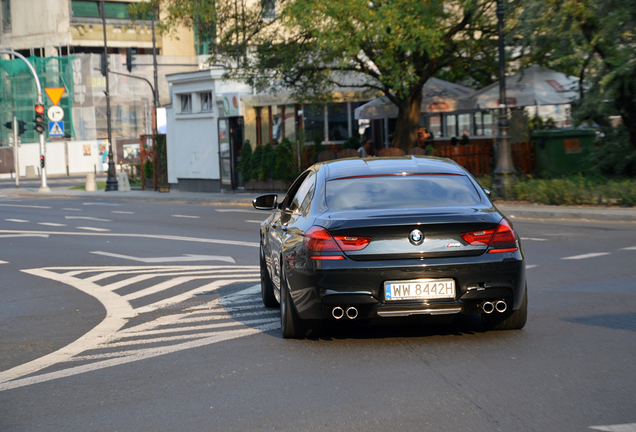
<point x="421" y="289"/>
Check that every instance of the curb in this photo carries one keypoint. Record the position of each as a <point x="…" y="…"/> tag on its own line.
<point x="513" y="211"/>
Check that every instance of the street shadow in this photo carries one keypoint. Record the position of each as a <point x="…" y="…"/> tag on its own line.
<point x="623" y="321"/>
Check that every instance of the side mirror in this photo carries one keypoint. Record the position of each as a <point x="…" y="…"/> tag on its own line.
<point x="265" y="202"/>
<point x="488" y="192"/>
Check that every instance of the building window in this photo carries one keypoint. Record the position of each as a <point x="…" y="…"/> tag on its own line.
<point x="338" y="124"/>
<point x="269" y="9"/>
<point x="90" y="9"/>
<point x="6" y="15"/>
<point x="186" y="103"/>
<point x="206" y="101"/>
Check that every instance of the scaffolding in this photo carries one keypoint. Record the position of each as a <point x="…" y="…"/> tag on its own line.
<point x="18" y="93"/>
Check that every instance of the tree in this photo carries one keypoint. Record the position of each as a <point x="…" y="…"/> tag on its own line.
<point x="311" y="48"/>
<point x="592" y="39"/>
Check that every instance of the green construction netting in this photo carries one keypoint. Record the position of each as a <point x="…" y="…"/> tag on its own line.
<point x="18" y="93"/>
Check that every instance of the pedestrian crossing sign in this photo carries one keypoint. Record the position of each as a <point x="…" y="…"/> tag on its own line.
<point x="56" y="128"/>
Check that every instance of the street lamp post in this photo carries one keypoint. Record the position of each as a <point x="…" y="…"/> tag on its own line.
<point x="504" y="169"/>
<point x="111" y="180"/>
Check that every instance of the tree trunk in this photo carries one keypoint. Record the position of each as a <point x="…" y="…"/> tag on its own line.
<point x="407" y="122"/>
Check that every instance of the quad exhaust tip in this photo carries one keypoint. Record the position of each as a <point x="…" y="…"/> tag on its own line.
<point x="487" y="307"/>
<point x="352" y="313"/>
<point x="501" y="306"/>
<point x="337" y="312"/>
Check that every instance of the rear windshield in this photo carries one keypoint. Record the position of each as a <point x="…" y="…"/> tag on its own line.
<point x="400" y="192"/>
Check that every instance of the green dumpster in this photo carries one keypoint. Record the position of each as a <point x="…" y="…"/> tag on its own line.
<point x="562" y="151"/>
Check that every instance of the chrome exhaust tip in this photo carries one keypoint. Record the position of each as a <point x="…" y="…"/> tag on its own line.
<point x="487" y="307"/>
<point x="337" y="312"/>
<point x="501" y="306"/>
<point x="352" y="313"/>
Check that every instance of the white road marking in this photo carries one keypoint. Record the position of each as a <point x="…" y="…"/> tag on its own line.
<point x="165" y="329"/>
<point x="88" y="218"/>
<point x="629" y="248"/>
<point x="26" y="206"/>
<point x="239" y="211"/>
<point x="154" y="236"/>
<point x="213" y="286"/>
<point x="533" y="239"/>
<point x="122" y="212"/>
<point x="531" y="266"/>
<point x="254" y="221"/>
<point x="184" y="258"/>
<point x="93" y="229"/>
<point x="16" y="220"/>
<point x="186" y="216"/>
<point x="24" y="235"/>
<point x="626" y="427"/>
<point x="3" y="262"/>
<point x="103" y="204"/>
<point x="51" y="224"/>
<point x="72" y="209"/>
<point x="584" y="256"/>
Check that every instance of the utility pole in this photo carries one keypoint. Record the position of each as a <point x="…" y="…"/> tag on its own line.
<point x="504" y="170"/>
<point x="16" y="160"/>
<point x="155" y="93"/>
<point x="43" y="187"/>
<point x="111" y="180"/>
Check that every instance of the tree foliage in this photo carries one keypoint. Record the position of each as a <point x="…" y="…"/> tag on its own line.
<point x="312" y="48"/>
<point x="594" y="40"/>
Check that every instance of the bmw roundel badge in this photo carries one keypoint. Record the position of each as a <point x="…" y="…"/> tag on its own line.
<point x="416" y="237"/>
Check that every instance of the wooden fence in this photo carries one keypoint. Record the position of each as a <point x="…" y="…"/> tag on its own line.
<point x="478" y="159"/>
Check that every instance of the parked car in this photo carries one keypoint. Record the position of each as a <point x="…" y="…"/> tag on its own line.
<point x="389" y="237"/>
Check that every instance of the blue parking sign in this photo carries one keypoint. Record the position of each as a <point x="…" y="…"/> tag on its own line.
<point x="56" y="128"/>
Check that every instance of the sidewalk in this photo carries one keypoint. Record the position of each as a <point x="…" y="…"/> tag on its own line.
<point x="514" y="211"/>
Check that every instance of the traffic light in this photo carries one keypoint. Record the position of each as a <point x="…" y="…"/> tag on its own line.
<point x="21" y="127"/>
<point x="8" y="125"/>
<point x="40" y="122"/>
<point x="41" y="161"/>
<point x="129" y="60"/>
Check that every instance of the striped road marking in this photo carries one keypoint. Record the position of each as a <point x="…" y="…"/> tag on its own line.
<point x="112" y="343"/>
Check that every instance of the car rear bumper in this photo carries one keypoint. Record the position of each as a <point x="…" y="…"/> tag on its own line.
<point x="321" y="286"/>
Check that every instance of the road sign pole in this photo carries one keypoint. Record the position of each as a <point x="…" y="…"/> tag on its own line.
<point x="16" y="161"/>
<point x="43" y="187"/>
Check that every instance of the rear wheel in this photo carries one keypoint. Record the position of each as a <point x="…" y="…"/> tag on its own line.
<point x="291" y="324"/>
<point x="510" y="320"/>
<point x="267" y="288"/>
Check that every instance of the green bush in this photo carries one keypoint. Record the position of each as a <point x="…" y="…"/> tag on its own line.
<point x="243" y="165"/>
<point x="256" y="164"/>
<point x="613" y="155"/>
<point x="269" y="161"/>
<point x="351" y="143"/>
<point x="149" y="169"/>
<point x="284" y="168"/>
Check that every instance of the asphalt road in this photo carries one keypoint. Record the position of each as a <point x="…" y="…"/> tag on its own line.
<point x="123" y="316"/>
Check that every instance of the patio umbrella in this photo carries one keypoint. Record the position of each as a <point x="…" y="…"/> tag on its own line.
<point x="438" y="95"/>
<point x="535" y="85"/>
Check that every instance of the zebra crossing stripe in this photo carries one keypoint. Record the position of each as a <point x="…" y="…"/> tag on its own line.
<point x="219" y="317"/>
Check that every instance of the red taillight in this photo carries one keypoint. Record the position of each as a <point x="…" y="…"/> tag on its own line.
<point x="478" y="238"/>
<point x="349" y="243"/>
<point x="318" y="239"/>
<point x="503" y="235"/>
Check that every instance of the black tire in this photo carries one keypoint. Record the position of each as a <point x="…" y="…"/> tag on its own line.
<point x="509" y="320"/>
<point x="267" y="288"/>
<point x="290" y="324"/>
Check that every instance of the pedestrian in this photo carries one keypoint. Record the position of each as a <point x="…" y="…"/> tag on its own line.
<point x="424" y="139"/>
<point x="104" y="162"/>
<point x="365" y="149"/>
